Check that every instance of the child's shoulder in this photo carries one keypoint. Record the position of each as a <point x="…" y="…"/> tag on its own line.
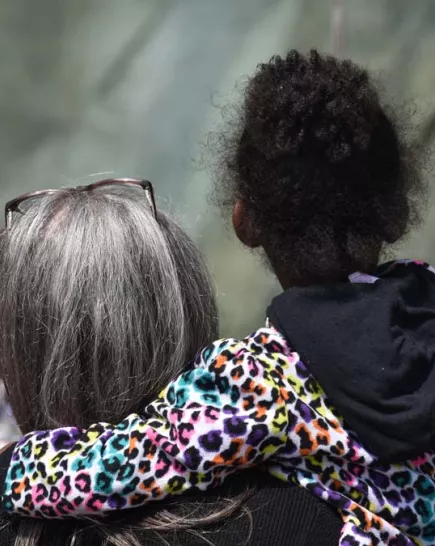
<point x="264" y="345"/>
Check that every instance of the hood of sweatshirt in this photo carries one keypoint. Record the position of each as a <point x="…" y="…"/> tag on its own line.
<point x="371" y="345"/>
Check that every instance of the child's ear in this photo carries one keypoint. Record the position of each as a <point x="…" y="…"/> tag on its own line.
<point x="243" y="226"/>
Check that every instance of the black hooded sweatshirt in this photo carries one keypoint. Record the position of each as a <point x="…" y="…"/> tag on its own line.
<point x="371" y="345"/>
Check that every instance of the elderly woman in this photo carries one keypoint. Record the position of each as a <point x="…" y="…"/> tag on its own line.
<point x="104" y="300"/>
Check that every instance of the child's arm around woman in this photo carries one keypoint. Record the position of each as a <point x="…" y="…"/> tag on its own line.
<point x="241" y="404"/>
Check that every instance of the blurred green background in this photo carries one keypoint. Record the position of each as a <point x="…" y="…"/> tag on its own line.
<point x="130" y="88"/>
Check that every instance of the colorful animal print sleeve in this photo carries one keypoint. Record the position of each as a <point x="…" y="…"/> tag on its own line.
<point x="229" y="411"/>
<point x="247" y="402"/>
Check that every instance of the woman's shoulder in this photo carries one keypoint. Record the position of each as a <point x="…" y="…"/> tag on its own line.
<point x="264" y="345"/>
<point x="291" y="516"/>
<point x="274" y="512"/>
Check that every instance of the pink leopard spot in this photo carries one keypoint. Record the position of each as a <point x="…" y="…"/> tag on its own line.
<point x="174" y="417"/>
<point x="97" y="505"/>
<point x="419" y="461"/>
<point x="187" y="434"/>
<point x="151" y="434"/>
<point x="81" y="484"/>
<point x="212" y="416"/>
<point x="161" y="465"/>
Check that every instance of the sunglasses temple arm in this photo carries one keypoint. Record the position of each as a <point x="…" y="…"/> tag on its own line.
<point x="8" y="219"/>
<point x="150" y="198"/>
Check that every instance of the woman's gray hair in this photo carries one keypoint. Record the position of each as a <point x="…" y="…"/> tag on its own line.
<point x="101" y="305"/>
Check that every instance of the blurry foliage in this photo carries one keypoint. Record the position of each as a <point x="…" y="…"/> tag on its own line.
<point x="128" y="88"/>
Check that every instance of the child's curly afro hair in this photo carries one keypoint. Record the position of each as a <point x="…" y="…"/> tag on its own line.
<point x="321" y="166"/>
